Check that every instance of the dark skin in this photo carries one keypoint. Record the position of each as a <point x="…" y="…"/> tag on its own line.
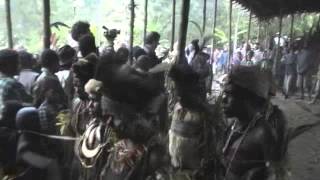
<point x="247" y="160"/>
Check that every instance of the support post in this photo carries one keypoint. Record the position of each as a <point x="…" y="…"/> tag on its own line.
<point x="132" y="6"/>
<point x="204" y="16"/>
<point x="173" y="24"/>
<point x="9" y="23"/>
<point x="249" y="27"/>
<point x="183" y="30"/>
<point x="145" y="20"/>
<point x="46" y="24"/>
<point x="230" y="35"/>
<point x="214" y="22"/>
<point x="259" y="30"/>
<point x="291" y="28"/>
<point x="275" y="62"/>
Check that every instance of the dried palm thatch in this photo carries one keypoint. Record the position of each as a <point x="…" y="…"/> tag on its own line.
<point x="266" y="9"/>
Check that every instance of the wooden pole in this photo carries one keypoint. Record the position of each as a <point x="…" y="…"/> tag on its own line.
<point x="9" y="24"/>
<point x="249" y="27"/>
<point x="204" y="16"/>
<point x="318" y="24"/>
<point x="183" y="30"/>
<point x="259" y="30"/>
<point x="145" y="21"/>
<point x="132" y="6"/>
<point x="46" y="23"/>
<point x="173" y="24"/>
<point x="275" y="62"/>
<point x="291" y="28"/>
<point x="214" y="22"/>
<point x="230" y="35"/>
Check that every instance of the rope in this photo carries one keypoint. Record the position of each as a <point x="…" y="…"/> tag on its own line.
<point x="65" y="138"/>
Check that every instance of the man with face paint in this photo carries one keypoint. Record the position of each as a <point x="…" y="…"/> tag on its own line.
<point x="254" y="137"/>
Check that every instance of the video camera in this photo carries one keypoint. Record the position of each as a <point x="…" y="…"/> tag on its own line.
<point x="110" y="34"/>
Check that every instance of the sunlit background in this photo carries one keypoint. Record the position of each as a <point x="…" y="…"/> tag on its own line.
<point x="27" y="21"/>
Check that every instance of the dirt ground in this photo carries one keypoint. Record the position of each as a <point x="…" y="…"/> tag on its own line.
<point x="304" y="151"/>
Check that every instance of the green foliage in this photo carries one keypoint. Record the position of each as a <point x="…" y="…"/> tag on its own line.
<point x="27" y="21"/>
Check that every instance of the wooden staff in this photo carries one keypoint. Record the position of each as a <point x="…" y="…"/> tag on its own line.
<point x="230" y="35"/>
<point x="275" y="62"/>
<point x="204" y="16"/>
<point x="132" y="5"/>
<point x="173" y="24"/>
<point x="183" y="30"/>
<point x="9" y="24"/>
<point x="46" y="24"/>
<point x="145" y="20"/>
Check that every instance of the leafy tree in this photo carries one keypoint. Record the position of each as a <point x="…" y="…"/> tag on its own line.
<point x="27" y="21"/>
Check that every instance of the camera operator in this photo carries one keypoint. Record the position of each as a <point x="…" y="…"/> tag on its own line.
<point x="110" y="35"/>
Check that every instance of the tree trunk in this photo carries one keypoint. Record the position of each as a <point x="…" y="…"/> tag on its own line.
<point x="204" y="16"/>
<point x="183" y="29"/>
<point x="9" y="24"/>
<point x="132" y="6"/>
<point x="230" y="35"/>
<point x="46" y="23"/>
<point x="145" y="21"/>
<point x="173" y="24"/>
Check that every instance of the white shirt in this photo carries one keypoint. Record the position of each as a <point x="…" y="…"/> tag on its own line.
<point x="27" y="78"/>
<point x="63" y="76"/>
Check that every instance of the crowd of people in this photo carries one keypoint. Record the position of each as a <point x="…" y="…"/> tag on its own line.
<point x="89" y="113"/>
<point x="296" y="69"/>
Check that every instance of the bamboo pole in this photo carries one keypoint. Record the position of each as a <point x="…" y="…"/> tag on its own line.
<point x="291" y="28"/>
<point x="132" y="6"/>
<point x="230" y="35"/>
<point x="173" y="24"/>
<point x="183" y="30"/>
<point x="275" y="62"/>
<point x="204" y="16"/>
<point x="214" y="22"/>
<point x="46" y="23"/>
<point x="145" y="21"/>
<point x="9" y="23"/>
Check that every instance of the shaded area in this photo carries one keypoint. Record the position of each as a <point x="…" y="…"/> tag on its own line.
<point x="265" y="9"/>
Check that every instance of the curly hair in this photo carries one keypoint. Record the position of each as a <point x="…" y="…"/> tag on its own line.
<point x="79" y="28"/>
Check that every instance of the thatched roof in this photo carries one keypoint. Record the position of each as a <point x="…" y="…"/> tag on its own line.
<point x="266" y="9"/>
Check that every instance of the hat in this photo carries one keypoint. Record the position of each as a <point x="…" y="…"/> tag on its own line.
<point x="125" y="84"/>
<point x="66" y="55"/>
<point x="254" y="79"/>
